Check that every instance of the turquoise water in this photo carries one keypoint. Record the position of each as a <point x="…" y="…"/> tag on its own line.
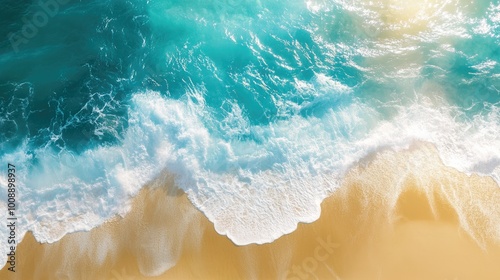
<point x="257" y="107"/>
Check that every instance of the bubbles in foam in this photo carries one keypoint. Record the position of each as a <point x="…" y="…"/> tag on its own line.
<point x="253" y="191"/>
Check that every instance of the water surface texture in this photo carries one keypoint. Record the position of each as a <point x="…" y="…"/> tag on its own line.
<point x="258" y="108"/>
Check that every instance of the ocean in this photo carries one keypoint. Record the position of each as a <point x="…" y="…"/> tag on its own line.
<point x="258" y="108"/>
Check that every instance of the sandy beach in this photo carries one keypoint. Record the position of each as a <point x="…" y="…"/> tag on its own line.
<point x="398" y="215"/>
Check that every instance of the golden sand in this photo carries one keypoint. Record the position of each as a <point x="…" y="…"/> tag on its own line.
<point x="397" y="216"/>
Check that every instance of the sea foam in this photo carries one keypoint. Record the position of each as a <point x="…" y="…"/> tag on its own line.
<point x="253" y="191"/>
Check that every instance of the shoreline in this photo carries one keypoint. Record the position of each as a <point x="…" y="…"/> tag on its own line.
<point x="372" y="221"/>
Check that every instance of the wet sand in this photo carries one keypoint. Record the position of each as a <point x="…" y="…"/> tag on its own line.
<point x="397" y="216"/>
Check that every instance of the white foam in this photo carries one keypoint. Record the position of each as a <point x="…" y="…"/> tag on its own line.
<point x="253" y="191"/>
